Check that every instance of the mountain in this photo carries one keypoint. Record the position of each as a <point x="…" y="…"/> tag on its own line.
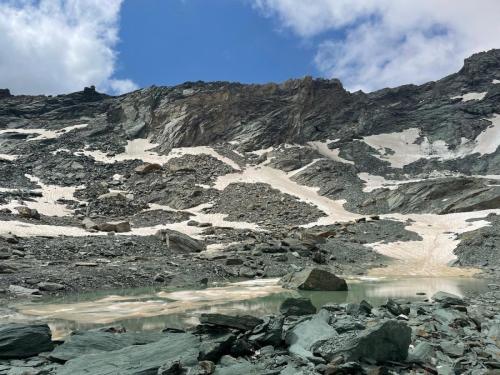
<point x="301" y="172"/>
<point x="396" y="190"/>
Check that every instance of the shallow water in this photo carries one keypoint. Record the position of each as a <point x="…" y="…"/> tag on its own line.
<point x="155" y="309"/>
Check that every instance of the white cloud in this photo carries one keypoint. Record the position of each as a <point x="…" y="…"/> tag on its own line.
<point x="390" y="42"/>
<point x="59" y="46"/>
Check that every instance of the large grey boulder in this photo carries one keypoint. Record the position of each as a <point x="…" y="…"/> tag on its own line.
<point x="314" y="279"/>
<point x="24" y="340"/>
<point x="241" y="322"/>
<point x="180" y="242"/>
<point x="386" y="341"/>
<point x="137" y="359"/>
<point x="91" y="342"/>
<point x="305" y="335"/>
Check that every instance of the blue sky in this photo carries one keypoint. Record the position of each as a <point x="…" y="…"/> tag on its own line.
<point x="170" y="42"/>
<point x="60" y="46"/>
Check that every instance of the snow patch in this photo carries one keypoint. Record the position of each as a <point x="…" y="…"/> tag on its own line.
<point x="323" y="149"/>
<point x="400" y="149"/>
<point x="141" y="149"/>
<point x="432" y="255"/>
<point x="44" y="133"/>
<point x="281" y="181"/>
<point x="471" y="96"/>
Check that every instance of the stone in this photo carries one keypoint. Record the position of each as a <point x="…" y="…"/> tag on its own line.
<point x="28" y="213"/>
<point x="147" y="168"/>
<point x="24" y="340"/>
<point x="234" y="262"/>
<point x="241" y="322"/>
<point x="5" y="253"/>
<point x="395" y="308"/>
<point x="386" y="341"/>
<point x="137" y="359"/>
<point x="421" y="353"/>
<point x="20" y="290"/>
<point x="50" y="287"/>
<point x="448" y="299"/>
<point x="180" y="242"/>
<point x="453" y="349"/>
<point x="304" y="336"/>
<point x="212" y="348"/>
<point x="314" y="279"/>
<point x="120" y="227"/>
<point x="297" y="307"/>
<point x="232" y="366"/>
<point x="98" y="341"/>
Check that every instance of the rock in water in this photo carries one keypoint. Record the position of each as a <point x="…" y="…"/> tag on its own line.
<point x="314" y="279"/>
<point x="243" y="322"/>
<point x="24" y="340"/>
<point x="297" y="307"/>
<point x="448" y="299"/>
<point x="387" y="341"/>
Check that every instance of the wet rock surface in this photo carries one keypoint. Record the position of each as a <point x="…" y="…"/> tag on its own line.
<point x="444" y="332"/>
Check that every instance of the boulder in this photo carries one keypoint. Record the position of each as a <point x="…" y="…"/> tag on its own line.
<point x="386" y="341"/>
<point x="305" y="335"/>
<point x="147" y="168"/>
<point x="180" y="242"/>
<point x="92" y="342"/>
<point x="138" y="359"/>
<point x="314" y="279"/>
<point x="448" y="299"/>
<point x="50" y="287"/>
<point x="297" y="307"/>
<point x="22" y="291"/>
<point x="28" y="213"/>
<point x="119" y="227"/>
<point x="242" y="322"/>
<point x="24" y="340"/>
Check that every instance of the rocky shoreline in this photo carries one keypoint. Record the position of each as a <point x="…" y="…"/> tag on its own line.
<point x="446" y="334"/>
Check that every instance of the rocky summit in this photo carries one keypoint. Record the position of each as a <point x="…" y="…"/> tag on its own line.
<point x="207" y="184"/>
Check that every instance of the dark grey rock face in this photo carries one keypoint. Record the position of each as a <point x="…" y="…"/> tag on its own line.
<point x="387" y="341"/>
<point x="137" y="359"/>
<point x="24" y="340"/>
<point x="314" y="279"/>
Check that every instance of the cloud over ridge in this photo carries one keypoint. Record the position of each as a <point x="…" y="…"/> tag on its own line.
<point x="390" y="42"/>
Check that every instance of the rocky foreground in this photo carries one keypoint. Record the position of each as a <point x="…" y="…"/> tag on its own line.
<point x="445" y="335"/>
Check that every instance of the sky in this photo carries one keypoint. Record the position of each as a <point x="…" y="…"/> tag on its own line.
<point x="60" y="46"/>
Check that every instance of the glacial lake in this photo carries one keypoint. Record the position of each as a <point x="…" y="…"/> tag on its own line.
<point x="156" y="309"/>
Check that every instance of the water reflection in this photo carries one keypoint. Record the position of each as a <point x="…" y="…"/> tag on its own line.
<point x="148" y="309"/>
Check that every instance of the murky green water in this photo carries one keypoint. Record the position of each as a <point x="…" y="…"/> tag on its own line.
<point x="153" y="309"/>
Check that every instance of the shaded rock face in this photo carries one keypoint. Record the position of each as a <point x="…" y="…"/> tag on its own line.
<point x="137" y="359"/>
<point x="387" y="341"/>
<point x="24" y="340"/>
<point x="314" y="279"/>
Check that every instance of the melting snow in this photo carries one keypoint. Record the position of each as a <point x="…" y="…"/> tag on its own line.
<point x="141" y="149"/>
<point x="471" y="96"/>
<point x="431" y="256"/>
<point x="333" y="154"/>
<point x="404" y="150"/>
<point x="44" y="133"/>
